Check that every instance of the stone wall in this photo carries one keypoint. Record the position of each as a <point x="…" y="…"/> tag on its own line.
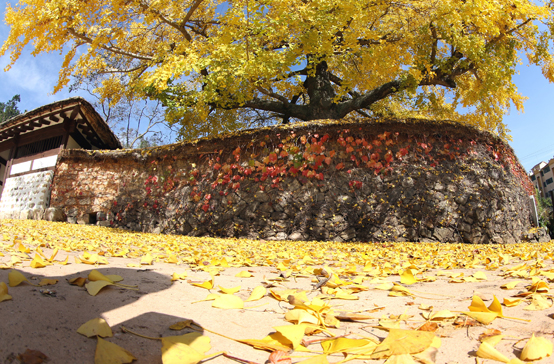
<point x="341" y="181"/>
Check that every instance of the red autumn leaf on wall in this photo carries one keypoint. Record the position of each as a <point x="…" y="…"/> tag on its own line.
<point x="339" y="166"/>
<point x="374" y="156"/>
<point x="389" y="157"/>
<point x="325" y="137"/>
<point x="217" y="166"/>
<point x="303" y="139"/>
<point x="328" y="160"/>
<point x="205" y="207"/>
<point x="349" y="149"/>
<point x="389" y="142"/>
<point x="349" y="139"/>
<point x="284" y="154"/>
<point x="376" y="143"/>
<point x="316" y="148"/>
<point x="365" y="158"/>
<point x="319" y="176"/>
<point x="332" y="153"/>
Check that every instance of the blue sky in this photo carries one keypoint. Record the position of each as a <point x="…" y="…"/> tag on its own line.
<point x="533" y="136"/>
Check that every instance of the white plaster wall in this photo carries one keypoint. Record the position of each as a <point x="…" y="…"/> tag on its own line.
<point x="27" y="192"/>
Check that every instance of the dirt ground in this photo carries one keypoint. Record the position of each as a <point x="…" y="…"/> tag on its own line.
<point x="46" y="318"/>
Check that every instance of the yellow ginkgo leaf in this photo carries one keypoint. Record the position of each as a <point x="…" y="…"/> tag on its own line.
<point x="347" y="346"/>
<point x="22" y="248"/>
<point x="95" y="275"/>
<point x="176" y="276"/>
<point x="268" y="343"/>
<point x="401" y="359"/>
<point x="343" y="295"/>
<point x="15" y="278"/>
<point x="228" y="301"/>
<point x="4" y="296"/>
<point x="510" y="285"/>
<point x="47" y="281"/>
<point x="319" y="359"/>
<point x="479" y="275"/>
<point x="110" y="353"/>
<point x="95" y="286"/>
<point x="293" y="333"/>
<point x="487" y="351"/>
<point x="147" y="259"/>
<point x="229" y="290"/>
<point x="407" y="277"/>
<point x="77" y="281"/>
<point x="181" y="325"/>
<point x="511" y="302"/>
<point x="477" y="305"/>
<point x="114" y="277"/>
<point x="65" y="262"/>
<point x="179" y="353"/>
<point x="208" y="284"/>
<point x="172" y="259"/>
<point x="403" y="342"/>
<point x="482" y="317"/>
<point x="95" y="327"/>
<point x="440" y="315"/>
<point x="195" y="340"/>
<point x="385" y="286"/>
<point x="54" y="253"/>
<point x="38" y="262"/>
<point x="257" y="293"/>
<point x="536" y="348"/>
<point x="244" y="274"/>
<point x="300" y="316"/>
<point x="538" y="303"/>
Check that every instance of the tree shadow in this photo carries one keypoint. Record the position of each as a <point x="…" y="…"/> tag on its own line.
<point x="46" y="318"/>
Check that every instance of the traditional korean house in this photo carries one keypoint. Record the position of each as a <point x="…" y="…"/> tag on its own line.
<point x="29" y="148"/>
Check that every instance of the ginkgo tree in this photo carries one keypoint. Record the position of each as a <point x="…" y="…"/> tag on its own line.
<point x="212" y="62"/>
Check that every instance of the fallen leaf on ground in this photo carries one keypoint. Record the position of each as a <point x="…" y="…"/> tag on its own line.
<point x="536" y="348"/>
<point x="279" y="357"/>
<point x="94" y="287"/>
<point x="228" y="301"/>
<point x="47" y="282"/>
<point x="207" y="285"/>
<point x="110" y="353"/>
<point x="257" y="293"/>
<point x="32" y="357"/>
<point x="177" y="276"/>
<point x="185" y="349"/>
<point x="147" y="259"/>
<point x="15" y="278"/>
<point x="229" y="290"/>
<point x="181" y="325"/>
<point x="95" y="327"/>
<point x="487" y="351"/>
<point x="489" y="333"/>
<point x="77" y="281"/>
<point x="4" y="296"/>
<point x="403" y="342"/>
<point x="38" y="262"/>
<point x="244" y="274"/>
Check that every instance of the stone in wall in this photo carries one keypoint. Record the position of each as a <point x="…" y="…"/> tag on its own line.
<point x="28" y="193"/>
<point x="373" y="182"/>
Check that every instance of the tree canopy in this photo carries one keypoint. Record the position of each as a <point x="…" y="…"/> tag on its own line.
<point x="215" y="64"/>
<point x="9" y="109"/>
